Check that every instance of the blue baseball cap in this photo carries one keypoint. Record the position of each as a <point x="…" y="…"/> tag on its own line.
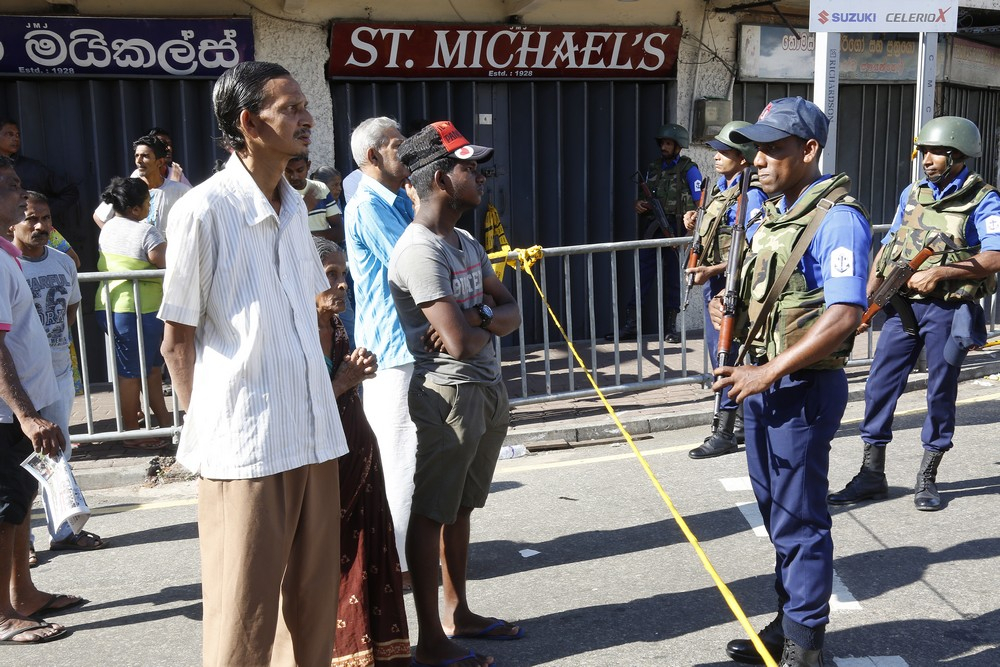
<point x="789" y="116"/>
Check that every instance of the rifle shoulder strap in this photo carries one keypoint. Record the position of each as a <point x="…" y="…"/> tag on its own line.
<point x="798" y="252"/>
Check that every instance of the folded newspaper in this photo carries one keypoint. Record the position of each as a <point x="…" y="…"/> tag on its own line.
<point x="67" y="504"/>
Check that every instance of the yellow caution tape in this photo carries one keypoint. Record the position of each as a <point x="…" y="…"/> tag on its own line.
<point x="527" y="259"/>
<point x="496" y="242"/>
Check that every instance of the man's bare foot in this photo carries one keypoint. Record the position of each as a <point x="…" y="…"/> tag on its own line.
<point x="28" y="631"/>
<point x="483" y="627"/>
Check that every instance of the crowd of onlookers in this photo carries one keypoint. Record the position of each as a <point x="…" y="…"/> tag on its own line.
<point x="254" y="327"/>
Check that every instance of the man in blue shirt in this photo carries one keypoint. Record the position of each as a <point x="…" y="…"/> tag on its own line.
<point x="375" y="218"/>
<point x="795" y="390"/>
<point x="939" y="304"/>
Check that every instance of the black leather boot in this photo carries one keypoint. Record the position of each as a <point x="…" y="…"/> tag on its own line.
<point x="869" y="484"/>
<point x="628" y="330"/>
<point x="773" y="637"/>
<point x="794" y="655"/>
<point x="722" y="441"/>
<point x="670" y="327"/>
<point x="738" y="431"/>
<point x="926" y="496"/>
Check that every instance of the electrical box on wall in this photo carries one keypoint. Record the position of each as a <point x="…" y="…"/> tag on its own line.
<point x="709" y="117"/>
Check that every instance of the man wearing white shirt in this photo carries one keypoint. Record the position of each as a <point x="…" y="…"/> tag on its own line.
<point x="150" y="154"/>
<point x="262" y="429"/>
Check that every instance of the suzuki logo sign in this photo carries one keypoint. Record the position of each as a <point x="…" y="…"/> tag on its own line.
<point x="883" y="16"/>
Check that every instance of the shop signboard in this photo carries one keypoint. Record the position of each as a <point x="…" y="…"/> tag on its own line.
<point x="122" y="47"/>
<point x="774" y="53"/>
<point x="435" y="51"/>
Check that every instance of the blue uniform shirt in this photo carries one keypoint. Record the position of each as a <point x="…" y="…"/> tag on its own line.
<point x="837" y="257"/>
<point x="693" y="177"/>
<point x="374" y="220"/>
<point x="755" y="200"/>
<point x="983" y="225"/>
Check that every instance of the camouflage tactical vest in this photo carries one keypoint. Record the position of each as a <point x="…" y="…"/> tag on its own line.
<point x="716" y="236"/>
<point x="922" y="217"/>
<point x="797" y="308"/>
<point x="670" y="186"/>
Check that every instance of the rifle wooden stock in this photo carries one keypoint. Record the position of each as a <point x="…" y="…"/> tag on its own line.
<point x="694" y="255"/>
<point x="894" y="281"/>
<point x="730" y="299"/>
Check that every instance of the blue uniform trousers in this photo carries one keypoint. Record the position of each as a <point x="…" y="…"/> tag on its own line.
<point x="789" y="428"/>
<point x="713" y="287"/>
<point x="895" y="357"/>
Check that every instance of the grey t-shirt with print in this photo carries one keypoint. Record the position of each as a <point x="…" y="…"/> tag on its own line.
<point x="54" y="287"/>
<point x="425" y="268"/>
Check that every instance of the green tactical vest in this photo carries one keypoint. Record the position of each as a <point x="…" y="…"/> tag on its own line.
<point x="716" y="236"/>
<point x="798" y="308"/>
<point x="670" y="186"/>
<point x="922" y="217"/>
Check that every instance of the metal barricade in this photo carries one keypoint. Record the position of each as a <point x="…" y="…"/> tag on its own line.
<point x="533" y="372"/>
<point x="93" y="434"/>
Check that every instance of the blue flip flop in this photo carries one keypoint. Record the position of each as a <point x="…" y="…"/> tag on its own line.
<point x="485" y="632"/>
<point x="471" y="656"/>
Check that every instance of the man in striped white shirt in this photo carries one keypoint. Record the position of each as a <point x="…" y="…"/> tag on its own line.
<point x="262" y="427"/>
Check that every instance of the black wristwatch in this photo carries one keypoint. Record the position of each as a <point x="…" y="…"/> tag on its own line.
<point x="486" y="313"/>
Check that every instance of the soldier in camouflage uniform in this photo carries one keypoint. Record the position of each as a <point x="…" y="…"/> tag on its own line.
<point x="794" y="390"/>
<point x="943" y="296"/>
<point x="715" y="234"/>
<point x="675" y="181"/>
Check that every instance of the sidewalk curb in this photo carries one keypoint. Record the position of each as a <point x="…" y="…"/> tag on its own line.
<point x="132" y="472"/>
<point x="640" y="422"/>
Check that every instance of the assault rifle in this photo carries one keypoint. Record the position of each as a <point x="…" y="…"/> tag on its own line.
<point x="696" y="245"/>
<point x="896" y="278"/>
<point x="730" y="298"/>
<point x="655" y="206"/>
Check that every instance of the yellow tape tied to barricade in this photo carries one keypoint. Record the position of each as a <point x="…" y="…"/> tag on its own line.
<point x="526" y="258"/>
<point x="496" y="243"/>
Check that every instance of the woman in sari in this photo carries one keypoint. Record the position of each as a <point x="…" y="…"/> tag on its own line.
<point x="371" y="618"/>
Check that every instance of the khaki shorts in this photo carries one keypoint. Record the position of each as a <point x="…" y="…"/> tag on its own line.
<point x="460" y="429"/>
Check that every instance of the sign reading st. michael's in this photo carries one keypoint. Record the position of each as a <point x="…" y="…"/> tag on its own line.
<point x="432" y="51"/>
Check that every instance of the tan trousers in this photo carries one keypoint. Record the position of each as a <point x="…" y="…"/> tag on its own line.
<point x="267" y="544"/>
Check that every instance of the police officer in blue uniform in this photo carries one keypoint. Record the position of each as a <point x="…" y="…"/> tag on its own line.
<point x="675" y="181"/>
<point x="794" y="391"/>
<point x="938" y="301"/>
<point x="715" y="236"/>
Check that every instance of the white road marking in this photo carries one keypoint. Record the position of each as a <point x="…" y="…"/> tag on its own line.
<point x="872" y="661"/>
<point x="752" y="514"/>
<point x="736" y="484"/>
<point x="841" y="599"/>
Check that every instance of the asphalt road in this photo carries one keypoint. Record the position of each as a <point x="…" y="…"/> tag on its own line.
<point x="614" y="581"/>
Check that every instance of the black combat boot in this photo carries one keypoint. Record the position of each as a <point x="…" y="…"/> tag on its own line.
<point x="869" y="484"/>
<point x="794" y="655"/>
<point x="738" y="431"/>
<point x="722" y="441"/>
<point x="670" y="327"/>
<point x="927" y="498"/>
<point x="773" y="637"/>
<point x="628" y="330"/>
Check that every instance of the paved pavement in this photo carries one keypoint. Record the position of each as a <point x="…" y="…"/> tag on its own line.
<point x="577" y="546"/>
<point x="550" y="424"/>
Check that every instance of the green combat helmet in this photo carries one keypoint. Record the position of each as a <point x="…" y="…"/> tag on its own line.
<point x="724" y="141"/>
<point x="675" y="132"/>
<point x="960" y="134"/>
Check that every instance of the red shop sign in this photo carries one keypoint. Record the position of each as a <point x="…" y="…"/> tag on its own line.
<point x="433" y="51"/>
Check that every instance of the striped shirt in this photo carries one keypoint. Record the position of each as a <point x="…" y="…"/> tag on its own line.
<point x="261" y="401"/>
